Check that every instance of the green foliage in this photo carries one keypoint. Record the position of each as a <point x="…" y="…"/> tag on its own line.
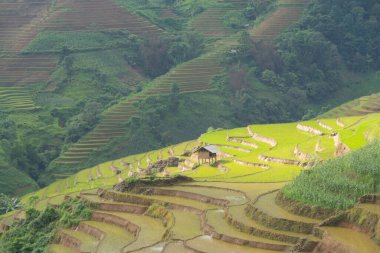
<point x="136" y="5"/>
<point x="234" y="19"/>
<point x="157" y="211"/>
<point x="306" y="67"/>
<point x="157" y="126"/>
<point x="353" y="26"/>
<point x="310" y="62"/>
<point x="349" y="178"/>
<point x="80" y="124"/>
<point x="258" y="8"/>
<point x="174" y="98"/>
<point x="38" y="230"/>
<point x="192" y="7"/>
<point x="8" y="204"/>
<point x="24" y="153"/>
<point x="157" y="55"/>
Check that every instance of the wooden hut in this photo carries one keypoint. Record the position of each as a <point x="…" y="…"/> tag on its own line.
<point x="207" y="154"/>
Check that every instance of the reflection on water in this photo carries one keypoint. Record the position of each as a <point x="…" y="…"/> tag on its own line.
<point x="235" y="200"/>
<point x="205" y="238"/>
<point x="154" y="249"/>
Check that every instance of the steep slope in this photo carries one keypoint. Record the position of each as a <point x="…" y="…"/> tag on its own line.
<point x="18" y="26"/>
<point x="21" y="22"/>
<point x="205" y="67"/>
<point x="257" y="153"/>
<point x="360" y="106"/>
<point x="210" y="22"/>
<point x="96" y="15"/>
<point x="30" y="78"/>
<point x="287" y="13"/>
<point x="113" y="120"/>
<point x="219" y="209"/>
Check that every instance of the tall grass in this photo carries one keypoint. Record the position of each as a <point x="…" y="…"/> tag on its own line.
<point x="338" y="183"/>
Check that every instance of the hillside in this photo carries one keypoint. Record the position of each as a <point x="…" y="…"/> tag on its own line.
<point x="360" y="106"/>
<point x="58" y="59"/>
<point x="267" y="29"/>
<point x="233" y="202"/>
<point x="279" y="99"/>
<point x="83" y="81"/>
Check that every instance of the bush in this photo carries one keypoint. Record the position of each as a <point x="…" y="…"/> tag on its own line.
<point x="234" y="19"/>
<point x="8" y="204"/>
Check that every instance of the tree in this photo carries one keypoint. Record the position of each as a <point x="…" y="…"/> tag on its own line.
<point x="86" y="120"/>
<point x="174" y="98"/>
<point x="269" y="77"/>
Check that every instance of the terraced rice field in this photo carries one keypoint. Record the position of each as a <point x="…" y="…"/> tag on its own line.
<point x="230" y="228"/>
<point x="287" y="13"/>
<point x="112" y="124"/>
<point x="226" y="209"/>
<point x="361" y="106"/>
<point x="210" y="22"/>
<point x="21" y="22"/>
<point x="95" y="15"/>
<point x="294" y="151"/>
<point x="18" y="22"/>
<point x="205" y="67"/>
<point x="352" y="239"/>
<point x="188" y="224"/>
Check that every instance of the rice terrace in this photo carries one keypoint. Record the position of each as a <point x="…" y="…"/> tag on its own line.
<point x="194" y="126"/>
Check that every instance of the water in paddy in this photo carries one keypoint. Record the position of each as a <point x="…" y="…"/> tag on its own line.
<point x="154" y="249"/>
<point x="176" y="247"/>
<point x="215" y="218"/>
<point x="234" y="197"/>
<point x="267" y="204"/>
<point x="58" y="248"/>
<point x="207" y="244"/>
<point x="371" y="207"/>
<point x="356" y="240"/>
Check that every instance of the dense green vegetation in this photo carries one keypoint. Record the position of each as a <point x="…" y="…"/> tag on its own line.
<point x="309" y="61"/>
<point x="156" y="56"/>
<point x="39" y="229"/>
<point x="338" y="183"/>
<point x="8" y="204"/>
<point x="185" y="8"/>
<point x="352" y="26"/>
<point x="25" y="151"/>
